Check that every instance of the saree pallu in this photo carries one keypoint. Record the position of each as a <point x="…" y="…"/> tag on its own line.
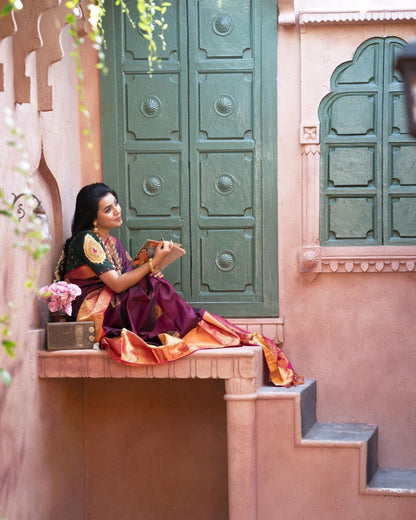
<point x="150" y="324"/>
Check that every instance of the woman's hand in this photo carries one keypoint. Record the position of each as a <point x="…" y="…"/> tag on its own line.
<point x="161" y="251"/>
<point x="157" y="273"/>
<point x="119" y="283"/>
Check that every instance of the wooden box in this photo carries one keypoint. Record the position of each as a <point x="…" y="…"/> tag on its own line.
<point x="70" y="335"/>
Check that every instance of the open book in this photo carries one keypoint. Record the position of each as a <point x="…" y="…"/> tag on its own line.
<point x="148" y="250"/>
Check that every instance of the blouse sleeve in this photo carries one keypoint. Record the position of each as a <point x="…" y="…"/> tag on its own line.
<point x="91" y="252"/>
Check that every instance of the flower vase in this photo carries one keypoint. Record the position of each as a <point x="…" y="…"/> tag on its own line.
<point x="59" y="317"/>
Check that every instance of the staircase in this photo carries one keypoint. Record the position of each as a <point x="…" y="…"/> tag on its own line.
<point x="282" y="463"/>
<point x="332" y="467"/>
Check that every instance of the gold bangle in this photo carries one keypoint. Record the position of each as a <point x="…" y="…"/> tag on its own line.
<point x="152" y="269"/>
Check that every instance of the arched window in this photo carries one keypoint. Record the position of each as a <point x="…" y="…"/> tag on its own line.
<point x="368" y="158"/>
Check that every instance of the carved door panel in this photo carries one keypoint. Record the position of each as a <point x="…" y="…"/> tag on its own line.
<point x="192" y="149"/>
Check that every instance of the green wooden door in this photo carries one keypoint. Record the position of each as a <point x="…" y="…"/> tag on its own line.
<point x="192" y="149"/>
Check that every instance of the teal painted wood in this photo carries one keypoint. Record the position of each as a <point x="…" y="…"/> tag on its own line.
<point x="399" y="157"/>
<point x="364" y="146"/>
<point x="192" y="150"/>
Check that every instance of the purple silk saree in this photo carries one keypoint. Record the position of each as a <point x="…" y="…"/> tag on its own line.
<point x="151" y="324"/>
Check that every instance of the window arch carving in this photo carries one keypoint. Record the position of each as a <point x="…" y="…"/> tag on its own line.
<point x="362" y="171"/>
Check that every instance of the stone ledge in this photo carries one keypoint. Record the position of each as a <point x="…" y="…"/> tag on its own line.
<point x="242" y="367"/>
<point x="351" y="17"/>
<point x="359" y="259"/>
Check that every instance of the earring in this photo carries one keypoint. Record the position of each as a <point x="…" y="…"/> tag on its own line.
<point x="95" y="228"/>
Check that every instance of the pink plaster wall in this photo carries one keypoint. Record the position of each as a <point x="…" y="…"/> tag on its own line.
<point x="41" y="422"/>
<point x="64" y="443"/>
<point x="313" y="483"/>
<point x="352" y="332"/>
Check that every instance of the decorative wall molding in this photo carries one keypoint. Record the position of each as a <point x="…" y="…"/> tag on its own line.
<point x="7" y="28"/>
<point x="26" y="40"/>
<point x="310" y="183"/>
<point x="272" y="328"/>
<point x="287" y="13"/>
<point x="350" y="17"/>
<point x="314" y="259"/>
<point x="242" y="365"/>
<point x="37" y="27"/>
<point x="367" y="259"/>
<point x="309" y="133"/>
<point x="51" y="25"/>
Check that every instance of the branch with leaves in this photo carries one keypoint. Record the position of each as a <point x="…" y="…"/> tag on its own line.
<point x="151" y="24"/>
<point x="28" y="233"/>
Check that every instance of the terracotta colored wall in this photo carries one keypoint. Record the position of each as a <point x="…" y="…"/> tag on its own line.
<point x="352" y="332"/>
<point x="156" y="449"/>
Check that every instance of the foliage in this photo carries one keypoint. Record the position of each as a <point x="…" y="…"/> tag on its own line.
<point x="151" y="23"/>
<point x="27" y="232"/>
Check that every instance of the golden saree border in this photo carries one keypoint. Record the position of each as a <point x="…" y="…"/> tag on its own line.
<point x="93" y="308"/>
<point x="81" y="273"/>
<point x="95" y="303"/>
<point x="210" y="333"/>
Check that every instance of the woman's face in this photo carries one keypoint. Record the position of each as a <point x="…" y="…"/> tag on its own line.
<point x="109" y="213"/>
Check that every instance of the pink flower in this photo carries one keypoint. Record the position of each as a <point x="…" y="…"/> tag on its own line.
<point x="59" y="296"/>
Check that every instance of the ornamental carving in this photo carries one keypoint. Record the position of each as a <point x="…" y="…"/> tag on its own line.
<point x="37" y="27"/>
<point x="327" y="17"/>
<point x="370" y="266"/>
<point x="309" y="133"/>
<point x="315" y="259"/>
<point x="153" y="185"/>
<point x="224" y="105"/>
<point x="225" y="184"/>
<point x="150" y="106"/>
<point x="310" y="260"/>
<point x="225" y="260"/>
<point x="223" y="25"/>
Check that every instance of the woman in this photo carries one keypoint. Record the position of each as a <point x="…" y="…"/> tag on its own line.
<point x="139" y="318"/>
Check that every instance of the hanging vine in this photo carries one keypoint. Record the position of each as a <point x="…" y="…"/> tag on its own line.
<point x="152" y="25"/>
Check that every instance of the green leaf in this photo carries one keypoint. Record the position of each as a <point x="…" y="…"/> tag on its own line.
<point x="5" y="377"/>
<point x="9" y="346"/>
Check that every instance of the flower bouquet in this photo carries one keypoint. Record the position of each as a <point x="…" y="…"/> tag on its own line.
<point x="59" y="296"/>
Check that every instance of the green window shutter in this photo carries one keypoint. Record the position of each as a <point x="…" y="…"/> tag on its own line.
<point x="368" y="161"/>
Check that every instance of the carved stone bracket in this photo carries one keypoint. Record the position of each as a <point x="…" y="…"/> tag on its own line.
<point x="287" y="13"/>
<point x="37" y="27"/>
<point x="7" y="28"/>
<point x="51" y="25"/>
<point x="26" y="40"/>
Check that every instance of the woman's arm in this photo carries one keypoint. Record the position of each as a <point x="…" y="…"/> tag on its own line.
<point x="120" y="282"/>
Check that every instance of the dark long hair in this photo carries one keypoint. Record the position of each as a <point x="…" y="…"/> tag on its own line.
<point x="86" y="209"/>
<point x="86" y="206"/>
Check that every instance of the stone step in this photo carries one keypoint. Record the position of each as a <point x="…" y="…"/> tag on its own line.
<point x="347" y="435"/>
<point x="393" y="481"/>
<point x="309" y="432"/>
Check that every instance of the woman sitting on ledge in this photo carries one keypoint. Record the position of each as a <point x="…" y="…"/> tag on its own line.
<point x="139" y="317"/>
